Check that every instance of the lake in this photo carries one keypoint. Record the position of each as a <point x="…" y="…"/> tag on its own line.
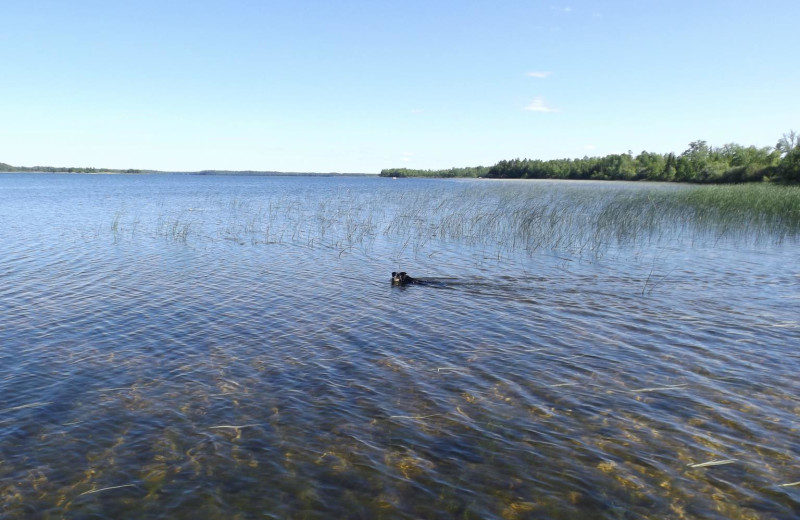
<point x="186" y="346"/>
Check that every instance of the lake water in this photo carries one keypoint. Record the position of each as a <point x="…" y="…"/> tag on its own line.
<point x="177" y="346"/>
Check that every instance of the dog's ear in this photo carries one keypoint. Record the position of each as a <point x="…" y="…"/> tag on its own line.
<point x="403" y="273"/>
<point x="393" y="274"/>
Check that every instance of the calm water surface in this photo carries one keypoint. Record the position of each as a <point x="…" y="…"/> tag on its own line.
<point x="180" y="346"/>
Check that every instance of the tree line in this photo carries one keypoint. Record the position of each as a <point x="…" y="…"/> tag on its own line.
<point x="475" y="171"/>
<point x="699" y="163"/>
<point x="58" y="169"/>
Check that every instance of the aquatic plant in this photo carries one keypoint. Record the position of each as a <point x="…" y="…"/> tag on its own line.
<point x="497" y="217"/>
<point x="175" y="227"/>
<point x="756" y="207"/>
<point x="589" y="221"/>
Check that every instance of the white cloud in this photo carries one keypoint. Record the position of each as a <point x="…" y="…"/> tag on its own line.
<point x="539" y="74"/>
<point x="590" y="147"/>
<point x="537" y="105"/>
<point x="417" y="111"/>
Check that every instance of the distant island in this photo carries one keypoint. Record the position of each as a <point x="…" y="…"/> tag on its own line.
<point x="7" y="168"/>
<point x="700" y="163"/>
<point x="279" y="174"/>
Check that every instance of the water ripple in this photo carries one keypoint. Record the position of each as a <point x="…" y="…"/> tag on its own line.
<point x="155" y="375"/>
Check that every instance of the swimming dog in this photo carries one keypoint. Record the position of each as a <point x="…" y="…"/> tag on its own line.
<point x="403" y="279"/>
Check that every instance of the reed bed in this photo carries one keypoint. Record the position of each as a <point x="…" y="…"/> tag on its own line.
<point x="759" y="208"/>
<point x="590" y="221"/>
<point x="585" y="220"/>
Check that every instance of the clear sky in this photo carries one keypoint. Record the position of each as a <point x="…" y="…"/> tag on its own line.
<point x="357" y="86"/>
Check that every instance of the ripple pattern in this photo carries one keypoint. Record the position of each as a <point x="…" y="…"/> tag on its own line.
<point x="151" y="373"/>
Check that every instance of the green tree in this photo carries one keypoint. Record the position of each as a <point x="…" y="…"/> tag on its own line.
<point x="787" y="143"/>
<point x="789" y="169"/>
<point x="651" y="166"/>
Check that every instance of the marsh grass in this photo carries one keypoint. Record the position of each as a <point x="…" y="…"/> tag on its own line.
<point x="591" y="221"/>
<point x="588" y="222"/>
<point x="761" y="209"/>
<point x="176" y="227"/>
<point x="123" y="227"/>
<point x="581" y="219"/>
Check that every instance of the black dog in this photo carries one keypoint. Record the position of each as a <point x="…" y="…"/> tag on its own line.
<point x="403" y="279"/>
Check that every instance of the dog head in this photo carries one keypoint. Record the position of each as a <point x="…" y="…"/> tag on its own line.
<point x="400" y="278"/>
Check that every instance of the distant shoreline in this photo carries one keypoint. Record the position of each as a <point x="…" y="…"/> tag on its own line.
<point x="198" y="173"/>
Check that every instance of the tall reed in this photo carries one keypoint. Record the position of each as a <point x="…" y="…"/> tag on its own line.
<point x="585" y="219"/>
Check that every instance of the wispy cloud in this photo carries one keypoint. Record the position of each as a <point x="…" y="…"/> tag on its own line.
<point x="416" y="111"/>
<point x="538" y="105"/>
<point x="539" y="74"/>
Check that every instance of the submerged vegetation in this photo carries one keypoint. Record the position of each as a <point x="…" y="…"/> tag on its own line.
<point x="700" y="163"/>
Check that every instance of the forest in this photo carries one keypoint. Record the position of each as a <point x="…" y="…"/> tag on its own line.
<point x="699" y="163"/>
<point x="7" y="168"/>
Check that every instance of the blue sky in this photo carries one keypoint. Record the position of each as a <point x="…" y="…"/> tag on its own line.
<point x="357" y="86"/>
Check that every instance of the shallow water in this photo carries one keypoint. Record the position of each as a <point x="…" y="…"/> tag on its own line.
<point x="180" y="346"/>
